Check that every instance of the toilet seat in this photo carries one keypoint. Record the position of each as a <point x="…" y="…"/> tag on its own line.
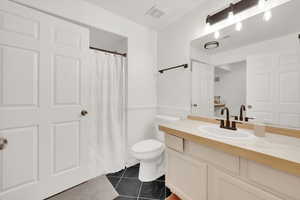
<point x="147" y="146"/>
<point x="147" y="149"/>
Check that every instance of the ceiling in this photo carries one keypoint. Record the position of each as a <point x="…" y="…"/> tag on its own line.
<point x="256" y="30"/>
<point x="135" y="10"/>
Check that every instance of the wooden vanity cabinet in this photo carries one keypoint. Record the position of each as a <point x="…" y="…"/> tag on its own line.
<point x="222" y="186"/>
<point x="197" y="172"/>
<point x="186" y="177"/>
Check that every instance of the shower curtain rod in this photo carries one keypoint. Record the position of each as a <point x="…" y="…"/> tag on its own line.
<point x="107" y="51"/>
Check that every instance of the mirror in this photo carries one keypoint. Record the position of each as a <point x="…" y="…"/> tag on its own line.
<point x="258" y="66"/>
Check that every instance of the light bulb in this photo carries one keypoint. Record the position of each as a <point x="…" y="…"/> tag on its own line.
<point x="217" y="35"/>
<point x="261" y="4"/>
<point x="267" y="15"/>
<point x="230" y="16"/>
<point x="207" y="26"/>
<point x="239" y="26"/>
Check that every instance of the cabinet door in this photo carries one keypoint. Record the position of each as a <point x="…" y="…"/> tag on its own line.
<point x="186" y="177"/>
<point x="225" y="187"/>
<point x="268" y="177"/>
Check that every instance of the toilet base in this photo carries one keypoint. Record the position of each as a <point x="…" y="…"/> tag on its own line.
<point x="151" y="170"/>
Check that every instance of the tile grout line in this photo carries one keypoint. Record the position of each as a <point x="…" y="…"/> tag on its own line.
<point x="120" y="179"/>
<point x="127" y="196"/>
<point x="140" y="190"/>
<point x="138" y="197"/>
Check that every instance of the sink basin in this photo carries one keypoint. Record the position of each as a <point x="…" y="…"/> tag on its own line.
<point x="216" y="131"/>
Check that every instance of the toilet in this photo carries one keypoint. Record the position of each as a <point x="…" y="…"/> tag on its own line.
<point x="150" y="152"/>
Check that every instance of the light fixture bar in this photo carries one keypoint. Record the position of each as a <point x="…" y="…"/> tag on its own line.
<point x="235" y="8"/>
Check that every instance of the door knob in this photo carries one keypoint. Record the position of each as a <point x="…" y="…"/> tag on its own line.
<point x="3" y="143"/>
<point x="195" y="105"/>
<point x="84" y="113"/>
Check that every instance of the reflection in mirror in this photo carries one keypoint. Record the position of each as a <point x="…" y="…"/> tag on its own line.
<point x="258" y="67"/>
<point x="230" y="87"/>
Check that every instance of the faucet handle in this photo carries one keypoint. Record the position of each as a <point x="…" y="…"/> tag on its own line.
<point x="247" y="118"/>
<point x="234" y="117"/>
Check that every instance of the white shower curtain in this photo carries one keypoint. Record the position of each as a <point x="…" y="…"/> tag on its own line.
<point x="107" y="143"/>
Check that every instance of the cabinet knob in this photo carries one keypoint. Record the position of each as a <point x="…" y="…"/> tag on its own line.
<point x="84" y="113"/>
<point x="3" y="143"/>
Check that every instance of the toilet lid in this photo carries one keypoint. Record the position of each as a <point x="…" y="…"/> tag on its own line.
<point x="147" y="146"/>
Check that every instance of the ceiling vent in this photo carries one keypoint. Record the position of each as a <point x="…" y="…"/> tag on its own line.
<point x="155" y="12"/>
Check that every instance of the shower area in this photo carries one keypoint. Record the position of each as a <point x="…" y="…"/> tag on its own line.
<point x="108" y="102"/>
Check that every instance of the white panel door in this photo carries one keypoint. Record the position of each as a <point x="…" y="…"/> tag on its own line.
<point x="42" y="76"/>
<point x="288" y="93"/>
<point x="273" y="88"/>
<point x="202" y="89"/>
<point x="260" y="87"/>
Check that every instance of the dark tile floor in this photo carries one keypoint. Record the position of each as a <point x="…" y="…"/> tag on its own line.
<point x="129" y="187"/>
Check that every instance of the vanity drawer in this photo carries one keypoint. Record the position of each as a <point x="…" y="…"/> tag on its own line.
<point x="173" y="142"/>
<point x="218" y="158"/>
<point x="273" y="179"/>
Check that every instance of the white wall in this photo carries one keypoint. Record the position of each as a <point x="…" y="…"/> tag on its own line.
<point x="176" y="92"/>
<point x="142" y="62"/>
<point x="108" y="41"/>
<point x="285" y="43"/>
<point x="232" y="87"/>
<point x="174" y="44"/>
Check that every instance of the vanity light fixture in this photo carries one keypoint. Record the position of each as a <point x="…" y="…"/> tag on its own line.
<point x="235" y="8"/>
<point x="239" y="26"/>
<point x="230" y="11"/>
<point x="217" y="35"/>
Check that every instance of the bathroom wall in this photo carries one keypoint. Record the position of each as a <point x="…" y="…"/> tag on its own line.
<point x="142" y="58"/>
<point x="284" y="43"/>
<point x="174" y="92"/>
<point x="174" y="46"/>
<point x="106" y="40"/>
<point x="232" y="87"/>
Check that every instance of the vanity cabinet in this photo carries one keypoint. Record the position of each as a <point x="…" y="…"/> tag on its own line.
<point x="222" y="186"/>
<point x="186" y="177"/>
<point x="286" y="184"/>
<point x="198" y="172"/>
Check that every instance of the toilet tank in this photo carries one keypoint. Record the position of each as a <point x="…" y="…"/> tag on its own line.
<point x="159" y="119"/>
